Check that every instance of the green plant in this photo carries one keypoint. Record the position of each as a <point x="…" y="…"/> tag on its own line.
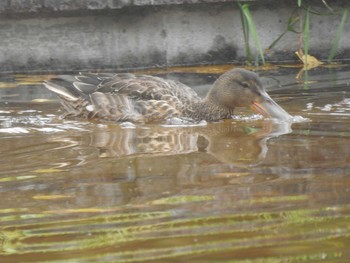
<point x="306" y="34"/>
<point x="290" y="28"/>
<point x="337" y="36"/>
<point x="301" y="14"/>
<point x="249" y="30"/>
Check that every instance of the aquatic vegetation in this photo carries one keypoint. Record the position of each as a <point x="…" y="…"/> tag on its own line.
<point x="292" y="21"/>
<point x="302" y="14"/>
<point x="306" y="34"/>
<point x="337" y="36"/>
<point x="249" y="29"/>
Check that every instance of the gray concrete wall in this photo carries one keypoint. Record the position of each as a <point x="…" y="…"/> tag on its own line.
<point x="45" y="35"/>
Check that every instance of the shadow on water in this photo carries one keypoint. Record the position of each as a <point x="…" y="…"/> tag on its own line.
<point x="242" y="190"/>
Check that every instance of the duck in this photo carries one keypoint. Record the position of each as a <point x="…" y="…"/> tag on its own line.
<point x="127" y="97"/>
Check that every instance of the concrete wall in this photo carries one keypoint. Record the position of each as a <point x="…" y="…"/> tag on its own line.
<point x="45" y="35"/>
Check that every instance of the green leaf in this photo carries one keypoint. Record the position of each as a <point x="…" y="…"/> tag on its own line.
<point x="252" y="29"/>
<point x="306" y="34"/>
<point x="337" y="36"/>
<point x="291" y="23"/>
<point x="246" y="35"/>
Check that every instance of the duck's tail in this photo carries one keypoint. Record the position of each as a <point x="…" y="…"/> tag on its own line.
<point x="65" y="87"/>
<point x="80" y="98"/>
<point x="72" y="98"/>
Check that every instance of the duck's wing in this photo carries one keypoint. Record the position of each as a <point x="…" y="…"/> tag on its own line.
<point x="145" y="87"/>
<point x="73" y="88"/>
<point x="122" y="97"/>
<point x="153" y="97"/>
<point x="80" y="98"/>
<point x="141" y="87"/>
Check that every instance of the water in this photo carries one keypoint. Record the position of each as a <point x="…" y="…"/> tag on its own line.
<point x="242" y="190"/>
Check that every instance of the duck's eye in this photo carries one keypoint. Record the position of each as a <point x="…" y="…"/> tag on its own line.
<point x="245" y="84"/>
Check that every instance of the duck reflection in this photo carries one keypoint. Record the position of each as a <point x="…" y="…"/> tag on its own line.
<point x="242" y="143"/>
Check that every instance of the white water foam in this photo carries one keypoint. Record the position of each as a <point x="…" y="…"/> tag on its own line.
<point x="183" y="122"/>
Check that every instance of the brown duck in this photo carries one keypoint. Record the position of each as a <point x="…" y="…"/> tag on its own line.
<point x="145" y="99"/>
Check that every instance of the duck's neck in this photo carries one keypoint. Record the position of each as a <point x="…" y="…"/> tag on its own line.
<point x="208" y="110"/>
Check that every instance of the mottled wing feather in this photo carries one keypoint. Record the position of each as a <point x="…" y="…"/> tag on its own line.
<point x="155" y="98"/>
<point x="148" y="87"/>
<point x="124" y="97"/>
<point x="114" y="107"/>
<point x="156" y="110"/>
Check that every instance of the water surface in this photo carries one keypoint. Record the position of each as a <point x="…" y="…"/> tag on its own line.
<point x="242" y="190"/>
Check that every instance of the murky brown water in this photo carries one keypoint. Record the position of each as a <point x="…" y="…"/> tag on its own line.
<point x="235" y="191"/>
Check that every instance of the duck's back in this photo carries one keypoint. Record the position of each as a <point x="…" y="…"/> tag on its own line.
<point x="122" y="97"/>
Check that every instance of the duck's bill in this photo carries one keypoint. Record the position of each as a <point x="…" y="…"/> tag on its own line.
<point x="270" y="109"/>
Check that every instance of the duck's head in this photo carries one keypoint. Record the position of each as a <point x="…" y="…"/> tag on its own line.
<point x="242" y="88"/>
